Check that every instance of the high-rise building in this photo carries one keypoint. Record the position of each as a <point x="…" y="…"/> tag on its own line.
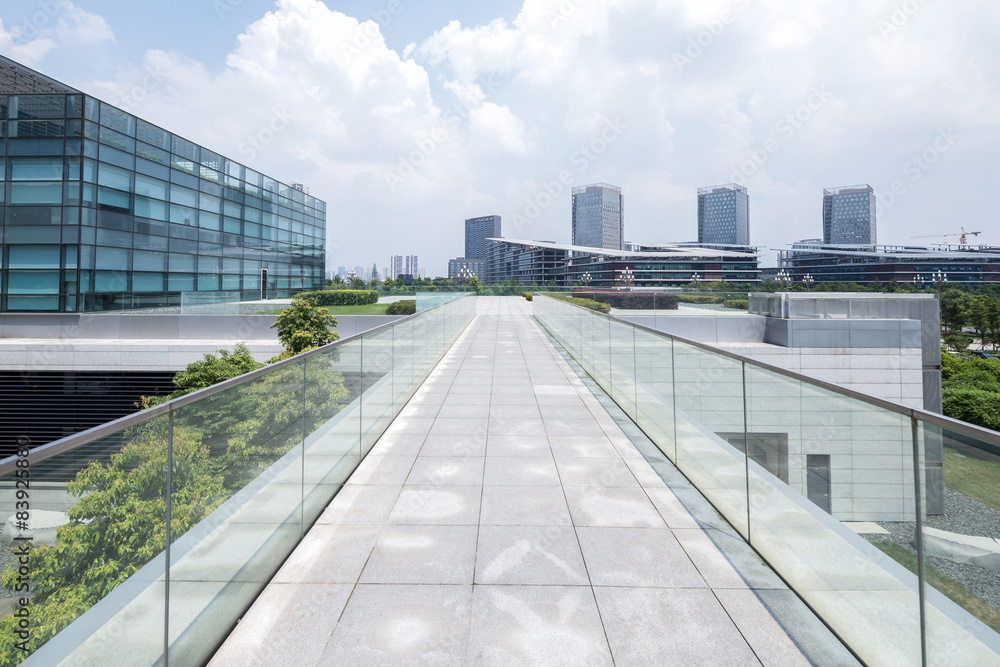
<point x="598" y="216"/>
<point x="410" y="264"/>
<point x="395" y="266"/>
<point x="104" y="211"/>
<point x="477" y="230"/>
<point x="849" y="215"/>
<point x="724" y="214"/>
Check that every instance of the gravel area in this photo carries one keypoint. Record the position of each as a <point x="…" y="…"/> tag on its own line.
<point x="965" y="516"/>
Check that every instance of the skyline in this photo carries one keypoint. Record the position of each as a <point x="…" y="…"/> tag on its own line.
<point x="409" y="122"/>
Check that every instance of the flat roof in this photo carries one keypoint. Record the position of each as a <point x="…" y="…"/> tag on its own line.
<point x="674" y="252"/>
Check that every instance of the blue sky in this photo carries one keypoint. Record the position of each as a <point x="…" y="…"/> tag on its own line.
<point x="408" y="116"/>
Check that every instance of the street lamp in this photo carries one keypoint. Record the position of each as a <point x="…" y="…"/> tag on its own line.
<point x="939" y="279"/>
<point x="695" y="278"/>
<point x="808" y="281"/>
<point x="919" y="281"/>
<point x="627" y="278"/>
<point x="585" y="279"/>
<point x="783" y="279"/>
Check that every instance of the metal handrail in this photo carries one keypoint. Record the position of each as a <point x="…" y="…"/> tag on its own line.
<point x="958" y="426"/>
<point x="57" y="447"/>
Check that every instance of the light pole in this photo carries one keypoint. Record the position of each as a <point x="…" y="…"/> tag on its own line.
<point x="808" y="281"/>
<point x="695" y="278"/>
<point x="627" y="278"/>
<point x="919" y="281"/>
<point x="939" y="279"/>
<point x="783" y="279"/>
<point x="585" y="279"/>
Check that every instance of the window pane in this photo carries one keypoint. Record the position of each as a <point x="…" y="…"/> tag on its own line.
<point x="27" y="107"/>
<point x="33" y="282"/>
<point x="35" y="193"/>
<point x="33" y="257"/>
<point x="36" y="169"/>
<point x="117" y="120"/>
<point x="114" y="177"/>
<point x="150" y="187"/>
<point x="183" y="196"/>
<point x="147" y="282"/>
<point x="113" y="199"/>
<point x="181" y="282"/>
<point x="113" y="258"/>
<point x="110" y="281"/>
<point x="150" y="208"/>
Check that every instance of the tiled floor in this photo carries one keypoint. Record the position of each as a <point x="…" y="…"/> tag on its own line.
<point x="504" y="518"/>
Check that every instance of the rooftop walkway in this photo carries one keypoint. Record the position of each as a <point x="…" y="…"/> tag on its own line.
<point x="506" y="518"/>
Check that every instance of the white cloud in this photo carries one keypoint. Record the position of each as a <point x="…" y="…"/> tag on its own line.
<point x="14" y="45"/>
<point x="482" y="119"/>
<point x="79" y="26"/>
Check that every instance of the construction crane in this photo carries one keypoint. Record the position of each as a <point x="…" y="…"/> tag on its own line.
<point x="962" y="240"/>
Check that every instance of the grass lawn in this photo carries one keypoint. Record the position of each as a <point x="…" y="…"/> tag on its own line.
<point x="974" y="477"/>
<point x="955" y="591"/>
<point x="368" y="309"/>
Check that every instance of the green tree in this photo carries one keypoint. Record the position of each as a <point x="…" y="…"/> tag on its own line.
<point x="388" y="284"/>
<point x="474" y="282"/>
<point x="955" y="306"/>
<point x="303" y="327"/>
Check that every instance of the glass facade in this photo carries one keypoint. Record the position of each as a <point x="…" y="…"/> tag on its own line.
<point x="599" y="217"/>
<point x="849" y="215"/>
<point x="724" y="215"/>
<point x="100" y="210"/>
<point x="477" y="230"/>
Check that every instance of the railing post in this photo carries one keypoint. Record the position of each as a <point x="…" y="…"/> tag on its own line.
<point x="919" y="537"/>
<point x="166" y="549"/>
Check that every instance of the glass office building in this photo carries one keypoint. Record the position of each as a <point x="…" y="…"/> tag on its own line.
<point x="598" y="216"/>
<point x="101" y="210"/>
<point x="849" y="215"/>
<point x="724" y="215"/>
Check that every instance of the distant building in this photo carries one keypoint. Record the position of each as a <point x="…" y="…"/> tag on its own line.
<point x="849" y="215"/>
<point x="598" y="217"/>
<point x="477" y="230"/>
<point x="475" y="266"/>
<point x="395" y="266"/>
<point x="536" y="262"/>
<point x="410" y="265"/>
<point x="724" y="214"/>
<point x="826" y="263"/>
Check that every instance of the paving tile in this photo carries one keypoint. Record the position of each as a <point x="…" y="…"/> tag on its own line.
<point x="423" y="555"/>
<point x="517" y="445"/>
<point x="640" y="557"/>
<point x="600" y="472"/>
<point x="671" y="509"/>
<point x="458" y="426"/>
<point x="361" y="504"/>
<point x="469" y="411"/>
<point x="670" y="626"/>
<point x="287" y="624"/>
<point x="536" y="625"/>
<point x="539" y="555"/>
<point x="615" y="506"/>
<point x="516" y="426"/>
<point x="572" y="427"/>
<point x="437" y="505"/>
<point x="520" y="471"/>
<point x="524" y="506"/>
<point x="447" y="471"/>
<point x="713" y="565"/>
<point x="767" y="639"/>
<point x="397" y="445"/>
<point x="384" y="470"/>
<point x="567" y="446"/>
<point x="472" y="444"/>
<point x="529" y="411"/>
<point x="644" y="473"/>
<point x="329" y="555"/>
<point x="402" y="625"/>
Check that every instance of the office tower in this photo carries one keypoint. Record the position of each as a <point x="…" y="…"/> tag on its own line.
<point x="849" y="215"/>
<point x="598" y="216"/>
<point x="477" y="230"/>
<point x="410" y="265"/>
<point x="105" y="211"/>
<point x="395" y="266"/>
<point x="724" y="215"/>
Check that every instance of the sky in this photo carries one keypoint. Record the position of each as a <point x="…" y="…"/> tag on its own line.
<point x="409" y="116"/>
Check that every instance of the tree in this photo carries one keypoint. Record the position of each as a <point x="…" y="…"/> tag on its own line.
<point x="303" y="327"/>
<point x="388" y="284"/>
<point x="955" y="306"/>
<point x="474" y="282"/>
<point x="357" y="283"/>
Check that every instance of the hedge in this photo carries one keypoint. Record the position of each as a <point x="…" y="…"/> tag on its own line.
<point x="633" y="300"/>
<point x="341" y="297"/>
<point x="739" y="304"/>
<point x="586" y="303"/>
<point x="527" y="295"/>
<point x="404" y="307"/>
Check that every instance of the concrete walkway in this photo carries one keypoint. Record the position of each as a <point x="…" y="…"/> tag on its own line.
<point x="504" y="518"/>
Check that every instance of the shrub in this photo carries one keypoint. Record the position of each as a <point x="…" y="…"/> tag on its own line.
<point x="404" y="307"/>
<point x="974" y="406"/>
<point x="339" y="297"/>
<point x="973" y="379"/>
<point x="586" y="303"/>
<point x="633" y="300"/>
<point x="697" y="298"/>
<point x="527" y="295"/>
<point x="739" y="304"/>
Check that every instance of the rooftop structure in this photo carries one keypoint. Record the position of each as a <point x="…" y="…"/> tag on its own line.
<point x="598" y="216"/>
<point x="538" y="262"/>
<point x="105" y="211"/>
<point x="968" y="264"/>
<point x="849" y="215"/>
<point x="724" y="215"/>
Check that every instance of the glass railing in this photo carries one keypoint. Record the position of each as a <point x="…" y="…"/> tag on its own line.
<point x="143" y="541"/>
<point x="828" y="485"/>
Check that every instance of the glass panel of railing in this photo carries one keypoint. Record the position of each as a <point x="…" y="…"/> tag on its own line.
<point x="961" y="548"/>
<point x="655" y="389"/>
<point x="402" y="358"/>
<point x="822" y="468"/>
<point x="377" y="380"/>
<point x="236" y="489"/>
<point x="86" y="532"/>
<point x="710" y="426"/>
<point x="333" y="424"/>
<point x="622" y="371"/>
